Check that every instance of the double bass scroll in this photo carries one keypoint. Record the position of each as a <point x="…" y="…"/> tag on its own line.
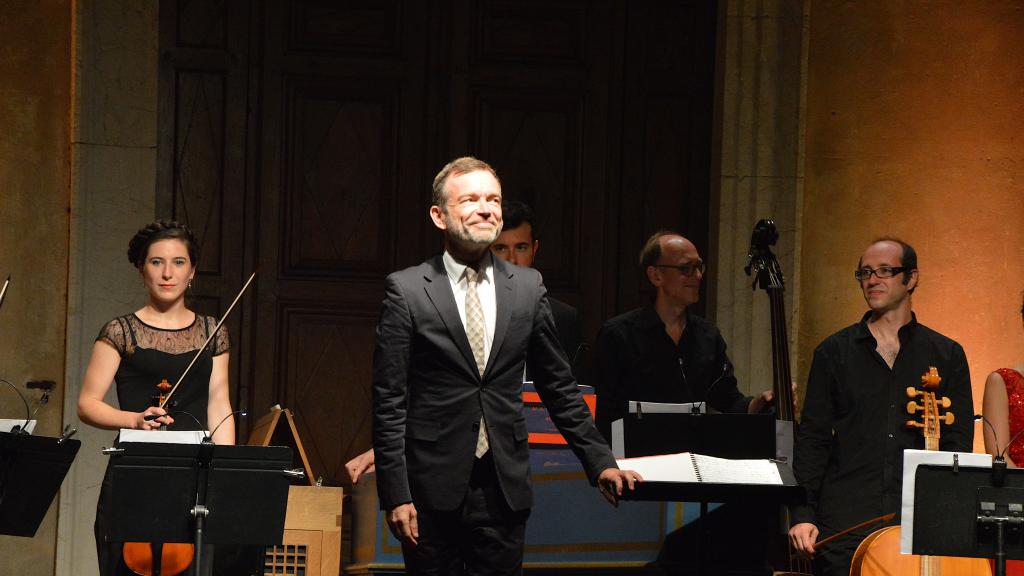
<point x="764" y="267"/>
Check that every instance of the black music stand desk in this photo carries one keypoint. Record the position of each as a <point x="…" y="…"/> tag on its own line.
<point x="965" y="511"/>
<point x="199" y="493"/>
<point x="32" y="468"/>
<point x="733" y="436"/>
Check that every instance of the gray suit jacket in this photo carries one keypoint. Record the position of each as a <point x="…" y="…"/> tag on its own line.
<point x="428" y="395"/>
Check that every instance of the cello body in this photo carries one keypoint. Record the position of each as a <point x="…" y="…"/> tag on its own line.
<point x="879" y="555"/>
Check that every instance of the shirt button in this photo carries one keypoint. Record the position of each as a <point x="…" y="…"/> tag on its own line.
<point x="891" y="436"/>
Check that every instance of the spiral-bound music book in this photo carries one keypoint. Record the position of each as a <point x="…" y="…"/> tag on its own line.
<point x="690" y="467"/>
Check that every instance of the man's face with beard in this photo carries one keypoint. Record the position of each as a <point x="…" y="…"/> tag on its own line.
<point x="471" y="216"/>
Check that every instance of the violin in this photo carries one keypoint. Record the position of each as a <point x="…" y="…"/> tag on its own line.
<point x="879" y="553"/>
<point x="158" y="558"/>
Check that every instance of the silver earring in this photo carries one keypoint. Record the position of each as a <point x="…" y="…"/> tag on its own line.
<point x="189" y="284"/>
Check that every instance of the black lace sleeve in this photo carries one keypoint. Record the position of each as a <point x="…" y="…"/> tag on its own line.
<point x="115" y="334"/>
<point x="221" y="343"/>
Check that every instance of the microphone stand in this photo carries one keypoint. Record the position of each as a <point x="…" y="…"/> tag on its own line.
<point x="985" y="515"/>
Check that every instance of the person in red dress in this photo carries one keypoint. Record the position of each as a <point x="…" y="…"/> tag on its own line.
<point x="1003" y="408"/>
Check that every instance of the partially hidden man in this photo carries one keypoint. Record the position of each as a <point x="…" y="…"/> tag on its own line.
<point x="449" y="436"/>
<point x="852" y="434"/>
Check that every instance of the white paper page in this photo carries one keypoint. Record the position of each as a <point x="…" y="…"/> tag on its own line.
<point x="727" y="471"/>
<point x="665" y="408"/>
<point x="664" y="468"/>
<point x="162" y="436"/>
<point x="8" y="425"/>
<point x="784" y="441"/>
<point x="911" y="460"/>
<point x="618" y="442"/>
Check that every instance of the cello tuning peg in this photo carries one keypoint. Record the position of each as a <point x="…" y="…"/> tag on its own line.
<point x="913" y="407"/>
<point x="914" y="424"/>
<point x="948" y="418"/>
<point x="945" y="402"/>
<point x="913" y="392"/>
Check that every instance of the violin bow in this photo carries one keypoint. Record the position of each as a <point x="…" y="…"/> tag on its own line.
<point x="865" y="524"/>
<point x="208" y="339"/>
<point x="3" y="291"/>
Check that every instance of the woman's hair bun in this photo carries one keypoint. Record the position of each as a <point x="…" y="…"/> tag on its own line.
<point x="139" y="245"/>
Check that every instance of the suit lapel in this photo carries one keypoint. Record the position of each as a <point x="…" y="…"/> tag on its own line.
<point x="505" y="302"/>
<point x="439" y="290"/>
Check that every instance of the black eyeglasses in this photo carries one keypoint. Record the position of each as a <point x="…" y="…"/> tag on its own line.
<point x="881" y="272"/>
<point x="687" y="269"/>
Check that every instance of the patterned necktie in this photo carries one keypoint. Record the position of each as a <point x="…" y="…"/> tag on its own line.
<point x="475" y="331"/>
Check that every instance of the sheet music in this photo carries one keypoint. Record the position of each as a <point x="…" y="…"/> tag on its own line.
<point x="6" y="425"/>
<point x="664" y="468"/>
<point x="727" y="471"/>
<point x="689" y="467"/>
<point x="162" y="436"/>
<point x="911" y="460"/>
<point x="636" y="406"/>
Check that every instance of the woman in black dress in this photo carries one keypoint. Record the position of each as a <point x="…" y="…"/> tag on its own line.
<point x="155" y="343"/>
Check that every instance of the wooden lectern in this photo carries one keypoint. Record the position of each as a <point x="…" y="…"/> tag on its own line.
<point x="312" y="525"/>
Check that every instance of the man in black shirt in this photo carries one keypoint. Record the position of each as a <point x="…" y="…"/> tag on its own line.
<point x="663" y="352"/>
<point x="518" y="244"/>
<point x="849" y="447"/>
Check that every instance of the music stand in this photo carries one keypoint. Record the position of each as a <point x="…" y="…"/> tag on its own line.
<point x="734" y="436"/>
<point x="199" y="493"/>
<point x="722" y="435"/>
<point x="960" y="511"/>
<point x="32" y="468"/>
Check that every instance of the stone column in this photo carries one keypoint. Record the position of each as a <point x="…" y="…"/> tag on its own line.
<point x="761" y="59"/>
<point x="113" y="194"/>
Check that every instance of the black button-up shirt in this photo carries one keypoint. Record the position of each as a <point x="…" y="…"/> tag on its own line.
<point x="850" y="442"/>
<point x="636" y="359"/>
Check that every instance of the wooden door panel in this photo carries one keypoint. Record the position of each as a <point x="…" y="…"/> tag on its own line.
<point x="534" y="144"/>
<point x="199" y="160"/>
<point x="340" y="193"/>
<point x="325" y="368"/>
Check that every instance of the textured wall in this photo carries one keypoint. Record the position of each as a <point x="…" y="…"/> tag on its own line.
<point x="914" y="118"/>
<point x="35" y="57"/>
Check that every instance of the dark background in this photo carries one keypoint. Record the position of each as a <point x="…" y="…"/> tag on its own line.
<point x="301" y="138"/>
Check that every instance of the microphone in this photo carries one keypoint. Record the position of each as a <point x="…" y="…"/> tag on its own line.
<point x="46" y="386"/>
<point x="574" y="362"/>
<point x="707" y="393"/>
<point x="999" y="462"/>
<point x="209" y="437"/>
<point x="28" y="412"/>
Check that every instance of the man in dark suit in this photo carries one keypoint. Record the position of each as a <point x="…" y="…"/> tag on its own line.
<point x="518" y="244"/>
<point x="449" y="437"/>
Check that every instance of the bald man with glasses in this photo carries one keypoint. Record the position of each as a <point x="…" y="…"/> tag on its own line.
<point x="852" y="434"/>
<point x="664" y="352"/>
